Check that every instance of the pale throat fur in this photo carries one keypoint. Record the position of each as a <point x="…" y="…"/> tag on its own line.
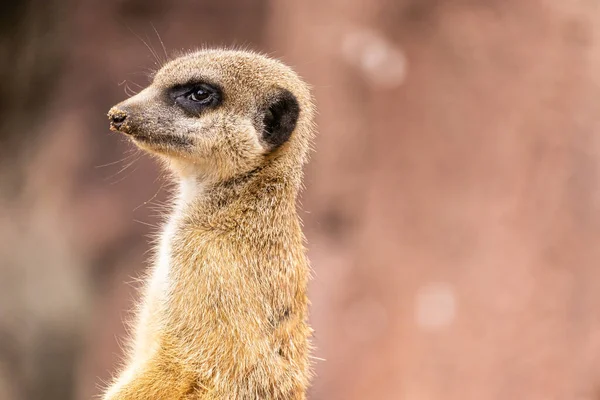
<point x="225" y="303"/>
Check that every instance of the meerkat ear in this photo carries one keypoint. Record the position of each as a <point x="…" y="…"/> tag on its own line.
<point x="280" y="119"/>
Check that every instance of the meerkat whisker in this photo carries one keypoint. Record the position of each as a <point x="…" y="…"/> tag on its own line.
<point x="126" y="158"/>
<point x="161" y="42"/>
<point x="121" y="179"/>
<point x="158" y="62"/>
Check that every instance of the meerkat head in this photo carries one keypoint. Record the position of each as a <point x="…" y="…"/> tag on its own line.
<point x="220" y="113"/>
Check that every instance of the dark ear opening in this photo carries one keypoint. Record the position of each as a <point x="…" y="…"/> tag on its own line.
<point x="280" y="119"/>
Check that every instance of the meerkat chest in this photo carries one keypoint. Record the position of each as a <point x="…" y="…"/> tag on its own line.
<point x="161" y="277"/>
<point x="162" y="267"/>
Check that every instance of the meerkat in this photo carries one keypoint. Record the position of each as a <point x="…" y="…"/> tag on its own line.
<point x="224" y="308"/>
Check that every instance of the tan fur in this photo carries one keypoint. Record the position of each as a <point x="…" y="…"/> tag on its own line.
<point x="224" y="312"/>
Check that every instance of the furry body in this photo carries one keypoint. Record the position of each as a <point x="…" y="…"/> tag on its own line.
<point x="224" y="310"/>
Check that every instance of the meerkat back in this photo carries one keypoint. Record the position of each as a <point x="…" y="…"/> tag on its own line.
<point x="224" y="309"/>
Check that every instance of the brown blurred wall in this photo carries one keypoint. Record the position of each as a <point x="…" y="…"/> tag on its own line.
<point x="452" y="204"/>
<point x="454" y="198"/>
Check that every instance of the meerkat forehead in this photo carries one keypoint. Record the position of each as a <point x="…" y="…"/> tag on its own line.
<point x="240" y="74"/>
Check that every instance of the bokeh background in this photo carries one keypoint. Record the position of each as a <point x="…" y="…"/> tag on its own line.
<point x="452" y="206"/>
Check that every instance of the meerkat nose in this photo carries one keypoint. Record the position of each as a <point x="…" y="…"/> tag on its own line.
<point x="117" y="118"/>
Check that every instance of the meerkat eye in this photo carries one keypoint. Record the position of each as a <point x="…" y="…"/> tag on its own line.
<point x="196" y="97"/>
<point x="200" y="95"/>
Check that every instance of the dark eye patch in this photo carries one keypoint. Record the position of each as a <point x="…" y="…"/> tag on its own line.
<point x="195" y="97"/>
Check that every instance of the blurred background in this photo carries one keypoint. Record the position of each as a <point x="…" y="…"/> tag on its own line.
<point x="452" y="206"/>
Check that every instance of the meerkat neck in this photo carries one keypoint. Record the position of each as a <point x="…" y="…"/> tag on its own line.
<point x="252" y="196"/>
<point x="190" y="189"/>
